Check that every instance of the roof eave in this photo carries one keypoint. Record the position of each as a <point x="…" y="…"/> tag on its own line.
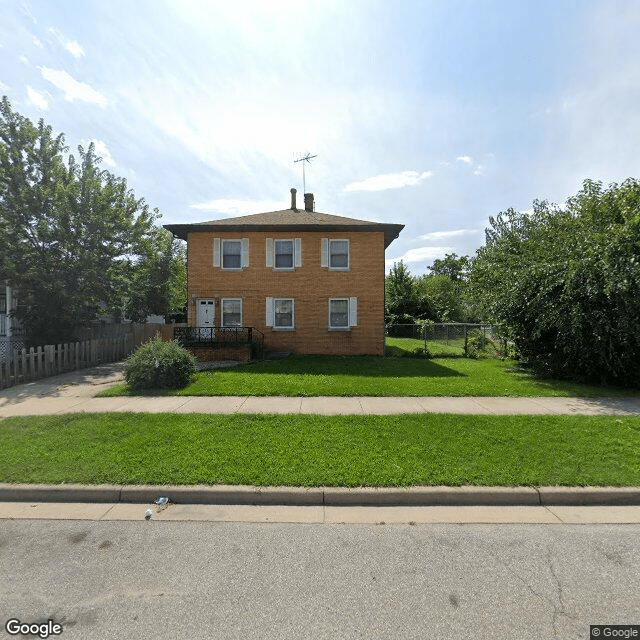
<point x="391" y="231"/>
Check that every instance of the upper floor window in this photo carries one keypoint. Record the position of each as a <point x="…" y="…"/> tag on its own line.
<point x="335" y="254"/>
<point x="284" y="254"/>
<point x="231" y="254"/>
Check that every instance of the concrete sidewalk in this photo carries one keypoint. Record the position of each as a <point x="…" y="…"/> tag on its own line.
<point x="75" y="393"/>
<point x="66" y="402"/>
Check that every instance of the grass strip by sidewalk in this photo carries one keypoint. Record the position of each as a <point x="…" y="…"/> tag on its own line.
<point x="304" y="450"/>
<point x="375" y="376"/>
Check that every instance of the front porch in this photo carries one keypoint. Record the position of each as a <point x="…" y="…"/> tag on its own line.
<point x="222" y="343"/>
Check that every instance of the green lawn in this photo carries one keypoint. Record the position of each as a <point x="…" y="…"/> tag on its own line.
<point x="376" y="376"/>
<point x="302" y="450"/>
<point x="438" y="349"/>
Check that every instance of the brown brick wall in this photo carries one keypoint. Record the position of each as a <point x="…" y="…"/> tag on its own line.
<point x="310" y="286"/>
<point x="209" y="354"/>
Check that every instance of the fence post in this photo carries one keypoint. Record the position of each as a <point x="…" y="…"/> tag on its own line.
<point x="466" y="343"/>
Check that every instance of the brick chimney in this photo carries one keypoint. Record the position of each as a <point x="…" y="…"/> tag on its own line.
<point x="293" y="199"/>
<point x="308" y="202"/>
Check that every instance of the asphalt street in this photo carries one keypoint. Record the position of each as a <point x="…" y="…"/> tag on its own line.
<point x="167" y="580"/>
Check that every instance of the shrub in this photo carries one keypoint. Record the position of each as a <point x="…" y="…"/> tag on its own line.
<point x="159" y="365"/>
<point x="565" y="282"/>
<point x="421" y="352"/>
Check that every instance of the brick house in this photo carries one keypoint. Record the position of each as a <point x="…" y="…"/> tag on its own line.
<point x="309" y="281"/>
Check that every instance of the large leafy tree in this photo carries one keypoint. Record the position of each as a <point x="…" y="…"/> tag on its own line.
<point x="445" y="296"/>
<point x="70" y="232"/>
<point x="566" y="282"/>
<point x="400" y="296"/>
<point x="452" y="266"/>
<point x="158" y="279"/>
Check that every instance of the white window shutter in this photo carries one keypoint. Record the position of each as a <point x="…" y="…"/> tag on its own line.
<point x="244" y="261"/>
<point x="270" y="313"/>
<point x="324" y="252"/>
<point x="269" y="252"/>
<point x="353" y="312"/>
<point x="216" y="252"/>
<point x="297" y="252"/>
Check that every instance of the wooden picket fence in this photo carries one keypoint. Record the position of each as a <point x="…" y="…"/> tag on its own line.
<point x="24" y="365"/>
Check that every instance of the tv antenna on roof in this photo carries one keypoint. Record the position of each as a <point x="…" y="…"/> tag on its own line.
<point x="304" y="158"/>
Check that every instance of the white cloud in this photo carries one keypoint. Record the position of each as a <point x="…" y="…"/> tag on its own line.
<point x="73" y="47"/>
<point x="465" y="159"/>
<point x="389" y="181"/>
<point x="440" y="235"/>
<point x="37" y="99"/>
<point x="102" y="151"/>
<point x="37" y="42"/>
<point x="4" y="87"/>
<point x="72" y="89"/>
<point x="421" y="254"/>
<point x="239" y="207"/>
<point x="23" y="59"/>
<point x="479" y="170"/>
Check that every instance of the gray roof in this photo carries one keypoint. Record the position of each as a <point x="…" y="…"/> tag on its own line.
<point x="289" y="220"/>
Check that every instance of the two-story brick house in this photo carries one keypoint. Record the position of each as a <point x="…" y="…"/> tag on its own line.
<point x="311" y="282"/>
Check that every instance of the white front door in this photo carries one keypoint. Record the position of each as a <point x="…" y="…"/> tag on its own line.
<point x="205" y="315"/>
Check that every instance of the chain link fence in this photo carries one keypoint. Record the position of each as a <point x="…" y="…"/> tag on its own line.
<point x="447" y="339"/>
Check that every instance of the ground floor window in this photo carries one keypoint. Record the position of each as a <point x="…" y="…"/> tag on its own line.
<point x="338" y="313"/>
<point x="231" y="312"/>
<point x="343" y="313"/>
<point x="283" y="313"/>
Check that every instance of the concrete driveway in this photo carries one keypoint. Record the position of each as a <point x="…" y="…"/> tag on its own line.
<point x="84" y="383"/>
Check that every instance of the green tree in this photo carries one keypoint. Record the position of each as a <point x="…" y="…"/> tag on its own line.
<point x="452" y="266"/>
<point x="445" y="296"/>
<point x="566" y="282"/>
<point x="69" y="231"/>
<point x="158" y="279"/>
<point x="401" y="300"/>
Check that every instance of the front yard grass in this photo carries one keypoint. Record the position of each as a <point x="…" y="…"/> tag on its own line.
<point x="304" y="450"/>
<point x="375" y="376"/>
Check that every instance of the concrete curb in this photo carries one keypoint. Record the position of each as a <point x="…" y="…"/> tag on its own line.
<point x="326" y="496"/>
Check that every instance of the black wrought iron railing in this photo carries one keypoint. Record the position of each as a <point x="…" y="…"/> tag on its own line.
<point x="217" y="337"/>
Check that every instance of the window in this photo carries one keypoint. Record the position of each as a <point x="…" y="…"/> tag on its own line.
<point x="231" y="312"/>
<point x="338" y="313"/>
<point x="335" y="254"/>
<point x="231" y="254"/>
<point x="343" y="313"/>
<point x="283" y="313"/>
<point x="280" y="313"/>
<point x="339" y="254"/>
<point x="284" y="254"/>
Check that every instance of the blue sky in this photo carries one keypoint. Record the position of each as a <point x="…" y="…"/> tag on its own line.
<point x="435" y="115"/>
